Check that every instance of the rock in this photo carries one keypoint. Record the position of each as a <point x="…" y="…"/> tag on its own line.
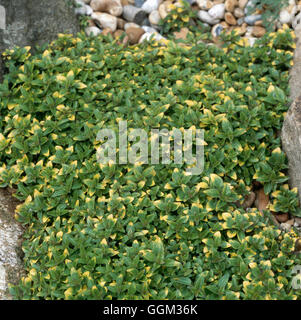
<point x="238" y="13"/>
<point x="148" y="35"/>
<point x="82" y="9"/>
<point x="250" y="20"/>
<point x="249" y="200"/>
<point x="150" y="5"/>
<point x="285" y="17"/>
<point x="298" y="222"/>
<point x="120" y="23"/>
<point x="107" y="31"/>
<point x="154" y="17"/>
<point x="258" y="23"/>
<point x="113" y="7"/>
<point x="296" y="21"/>
<point x="92" y="31"/>
<point x="242" y="3"/>
<point x="258" y="31"/>
<point x="286" y="227"/>
<point x="204" y="16"/>
<point x="249" y="31"/>
<point x="120" y="37"/>
<point x="217" y="11"/>
<point x="230" y="19"/>
<point x="162" y="10"/>
<point x="131" y="25"/>
<point x="291" y="221"/>
<point x="134" y="14"/>
<point x="118" y="33"/>
<point x="139" y="3"/>
<point x="204" y="4"/>
<point x="11" y="264"/>
<point x="281" y="217"/>
<point x="297" y="248"/>
<point x="291" y="130"/>
<point x="89" y="10"/>
<point x="262" y="200"/>
<point x="251" y="41"/>
<point x="250" y="7"/>
<point x="224" y="24"/>
<point x="230" y="5"/>
<point x="105" y="20"/>
<point x="36" y="23"/>
<point x="134" y="34"/>
<point x="217" y="30"/>
<point x="182" y="34"/>
<point x="241" y="30"/>
<point x="146" y="22"/>
<point x="148" y="29"/>
<point x="240" y="21"/>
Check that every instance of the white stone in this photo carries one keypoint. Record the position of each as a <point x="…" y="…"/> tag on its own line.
<point x="217" y="11"/>
<point x="154" y="17"/>
<point x="149" y="29"/>
<point x="89" y="10"/>
<point x="249" y="31"/>
<point x="252" y="41"/>
<point x="204" y="16"/>
<point x="238" y="13"/>
<point x="285" y="17"/>
<point x="81" y="7"/>
<point x="94" y="31"/>
<point x="297" y="21"/>
<point x="150" y="5"/>
<point x="146" y="36"/>
<point x="105" y="20"/>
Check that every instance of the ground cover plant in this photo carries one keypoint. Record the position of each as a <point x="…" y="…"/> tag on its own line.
<point x="148" y="231"/>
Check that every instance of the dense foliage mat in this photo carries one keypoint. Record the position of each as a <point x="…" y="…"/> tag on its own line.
<point x="148" y="231"/>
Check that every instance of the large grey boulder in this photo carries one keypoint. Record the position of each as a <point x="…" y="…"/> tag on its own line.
<point x="291" y="142"/>
<point x="291" y="130"/>
<point x="25" y="23"/>
<point x="35" y="22"/>
<point x="11" y="264"/>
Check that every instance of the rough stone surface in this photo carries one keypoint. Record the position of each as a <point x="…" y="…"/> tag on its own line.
<point x="291" y="130"/>
<point x="35" y="22"/>
<point x="28" y="23"/>
<point x="11" y="266"/>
